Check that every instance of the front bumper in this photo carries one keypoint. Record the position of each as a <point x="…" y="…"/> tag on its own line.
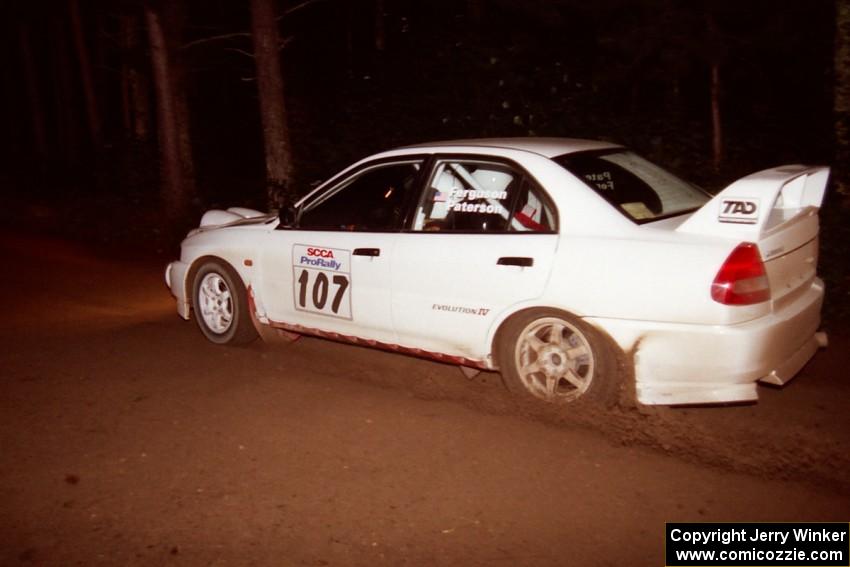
<point x="704" y="364"/>
<point x="175" y="279"/>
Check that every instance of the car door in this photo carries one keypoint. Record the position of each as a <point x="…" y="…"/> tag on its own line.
<point x="481" y="240"/>
<point x="332" y="272"/>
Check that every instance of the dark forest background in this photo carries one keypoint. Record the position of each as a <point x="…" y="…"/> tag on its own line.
<point x="102" y="141"/>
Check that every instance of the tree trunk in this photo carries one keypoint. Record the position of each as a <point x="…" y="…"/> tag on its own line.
<point x="475" y="13"/>
<point x="67" y="125"/>
<point x="715" y="46"/>
<point x="86" y="77"/>
<point x="380" y="27"/>
<point x="126" y="105"/>
<point x="175" y="17"/>
<point x="716" y="123"/>
<point x="33" y="93"/>
<point x="272" y="104"/>
<point x="349" y="39"/>
<point x="178" y="185"/>
<point x="137" y="110"/>
<point x="841" y="101"/>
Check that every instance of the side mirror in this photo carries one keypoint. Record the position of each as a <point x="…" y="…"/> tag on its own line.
<point x="287" y="215"/>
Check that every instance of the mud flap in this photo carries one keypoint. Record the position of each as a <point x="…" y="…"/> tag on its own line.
<point x="470" y="372"/>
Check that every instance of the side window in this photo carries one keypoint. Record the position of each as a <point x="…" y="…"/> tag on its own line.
<point x="532" y="214"/>
<point x="477" y="196"/>
<point x="370" y="200"/>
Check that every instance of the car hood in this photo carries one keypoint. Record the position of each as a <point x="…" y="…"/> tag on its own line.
<point x="216" y="219"/>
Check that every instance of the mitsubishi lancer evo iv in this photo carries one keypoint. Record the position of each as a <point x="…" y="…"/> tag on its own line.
<point x="546" y="259"/>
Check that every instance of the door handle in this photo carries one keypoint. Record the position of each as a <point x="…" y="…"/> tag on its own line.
<point x="522" y="261"/>
<point x="367" y="251"/>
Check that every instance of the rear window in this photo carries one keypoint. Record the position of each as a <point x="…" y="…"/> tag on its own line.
<point x="638" y="188"/>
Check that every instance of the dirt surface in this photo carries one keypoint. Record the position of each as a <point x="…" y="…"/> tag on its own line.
<point x="126" y="439"/>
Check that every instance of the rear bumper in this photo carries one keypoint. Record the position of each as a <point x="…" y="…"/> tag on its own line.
<point x="788" y="369"/>
<point x="699" y="364"/>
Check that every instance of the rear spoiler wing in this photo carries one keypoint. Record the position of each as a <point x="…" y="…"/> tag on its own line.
<point x="755" y="203"/>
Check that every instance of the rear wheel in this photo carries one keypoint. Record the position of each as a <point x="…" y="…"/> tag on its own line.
<point x="221" y="305"/>
<point x="551" y="356"/>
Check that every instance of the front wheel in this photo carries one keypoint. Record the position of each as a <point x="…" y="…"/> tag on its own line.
<point x="221" y="305"/>
<point x="552" y="356"/>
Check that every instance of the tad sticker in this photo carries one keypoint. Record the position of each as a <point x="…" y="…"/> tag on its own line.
<point x="322" y="280"/>
<point x="741" y="211"/>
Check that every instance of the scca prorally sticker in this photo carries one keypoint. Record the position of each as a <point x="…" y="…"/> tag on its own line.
<point x="741" y="211"/>
<point x="322" y="280"/>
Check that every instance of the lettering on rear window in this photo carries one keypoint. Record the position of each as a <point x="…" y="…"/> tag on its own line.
<point x="740" y="211"/>
<point x="602" y="180"/>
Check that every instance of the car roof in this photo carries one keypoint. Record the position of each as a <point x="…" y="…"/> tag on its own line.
<point x="547" y="147"/>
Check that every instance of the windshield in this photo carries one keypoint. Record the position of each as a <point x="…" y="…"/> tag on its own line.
<point x="638" y="188"/>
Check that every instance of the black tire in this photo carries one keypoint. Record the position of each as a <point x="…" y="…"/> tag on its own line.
<point x="220" y="304"/>
<point x="551" y="356"/>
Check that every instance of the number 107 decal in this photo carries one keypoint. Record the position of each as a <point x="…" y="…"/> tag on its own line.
<point x="322" y="280"/>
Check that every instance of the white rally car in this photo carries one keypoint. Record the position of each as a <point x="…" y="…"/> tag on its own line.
<point x="547" y="259"/>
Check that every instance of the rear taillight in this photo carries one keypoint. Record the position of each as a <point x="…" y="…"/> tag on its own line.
<point x="741" y="279"/>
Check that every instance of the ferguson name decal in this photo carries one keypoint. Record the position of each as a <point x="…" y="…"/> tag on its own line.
<point x="743" y="211"/>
